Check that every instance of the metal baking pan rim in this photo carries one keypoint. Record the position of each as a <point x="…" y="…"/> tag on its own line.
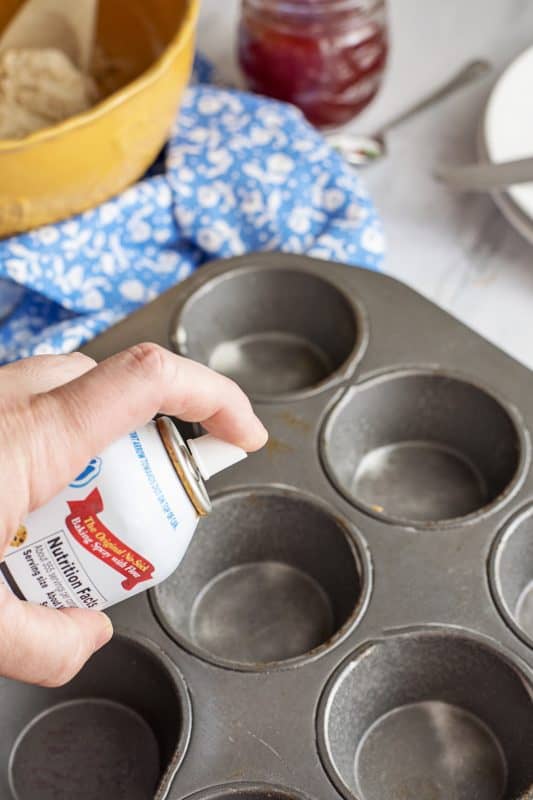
<point x="242" y="790"/>
<point x="501" y="537"/>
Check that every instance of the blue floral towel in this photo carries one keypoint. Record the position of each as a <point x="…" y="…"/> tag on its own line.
<point x="240" y="173"/>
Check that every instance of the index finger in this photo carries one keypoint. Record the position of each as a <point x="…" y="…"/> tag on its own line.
<point x="74" y="422"/>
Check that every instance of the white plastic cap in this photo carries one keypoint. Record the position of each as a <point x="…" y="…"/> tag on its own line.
<point x="212" y="455"/>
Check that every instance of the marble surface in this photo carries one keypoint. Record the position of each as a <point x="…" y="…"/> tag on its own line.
<point x="457" y="250"/>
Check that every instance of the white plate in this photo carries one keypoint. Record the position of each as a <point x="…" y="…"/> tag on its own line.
<point x="508" y="134"/>
<point x="520" y="221"/>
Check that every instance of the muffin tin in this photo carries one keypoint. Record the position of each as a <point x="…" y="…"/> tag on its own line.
<point x="355" y="618"/>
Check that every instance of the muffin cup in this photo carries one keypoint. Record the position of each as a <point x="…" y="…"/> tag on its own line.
<point x="511" y="573"/>
<point x="433" y="713"/>
<point x="119" y="730"/>
<point x="279" y="333"/>
<point x="271" y="578"/>
<point x="423" y="448"/>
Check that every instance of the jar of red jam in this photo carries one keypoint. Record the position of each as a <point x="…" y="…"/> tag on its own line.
<point x="325" y="56"/>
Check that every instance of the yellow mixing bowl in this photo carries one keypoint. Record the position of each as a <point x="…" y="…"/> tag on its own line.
<point x="79" y="163"/>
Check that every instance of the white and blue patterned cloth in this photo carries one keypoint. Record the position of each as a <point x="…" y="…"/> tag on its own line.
<point x="240" y="173"/>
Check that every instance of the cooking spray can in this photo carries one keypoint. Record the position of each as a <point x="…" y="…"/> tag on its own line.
<point x="122" y="526"/>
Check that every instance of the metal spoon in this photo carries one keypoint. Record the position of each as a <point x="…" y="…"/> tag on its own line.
<point x="360" y="150"/>
<point x="485" y="177"/>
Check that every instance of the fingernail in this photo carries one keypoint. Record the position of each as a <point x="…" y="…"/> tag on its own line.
<point x="105" y="633"/>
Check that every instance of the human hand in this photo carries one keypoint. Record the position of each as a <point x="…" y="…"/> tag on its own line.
<point x="56" y="413"/>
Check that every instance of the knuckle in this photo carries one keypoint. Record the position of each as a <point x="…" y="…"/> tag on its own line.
<point x="147" y="357"/>
<point x="232" y="387"/>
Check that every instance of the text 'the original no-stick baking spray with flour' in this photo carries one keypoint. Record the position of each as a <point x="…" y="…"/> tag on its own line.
<point x="122" y="526"/>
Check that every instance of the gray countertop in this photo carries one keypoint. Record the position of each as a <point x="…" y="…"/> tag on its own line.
<point x="457" y="250"/>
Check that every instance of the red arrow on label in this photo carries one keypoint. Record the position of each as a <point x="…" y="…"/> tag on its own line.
<point x="94" y="536"/>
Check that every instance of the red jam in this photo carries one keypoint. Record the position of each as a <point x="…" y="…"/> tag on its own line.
<point x="325" y="56"/>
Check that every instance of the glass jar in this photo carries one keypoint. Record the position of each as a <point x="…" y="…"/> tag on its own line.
<point x="325" y="56"/>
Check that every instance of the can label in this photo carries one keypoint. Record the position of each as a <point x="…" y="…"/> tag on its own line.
<point x="94" y="536"/>
<point x="121" y="526"/>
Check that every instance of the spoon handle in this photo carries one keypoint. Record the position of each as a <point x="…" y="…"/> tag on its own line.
<point x="484" y="177"/>
<point x="467" y="74"/>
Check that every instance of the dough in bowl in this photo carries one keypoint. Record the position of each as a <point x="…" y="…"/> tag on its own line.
<point x="38" y="88"/>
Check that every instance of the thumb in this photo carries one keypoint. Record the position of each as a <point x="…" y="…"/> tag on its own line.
<point x="46" y="646"/>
